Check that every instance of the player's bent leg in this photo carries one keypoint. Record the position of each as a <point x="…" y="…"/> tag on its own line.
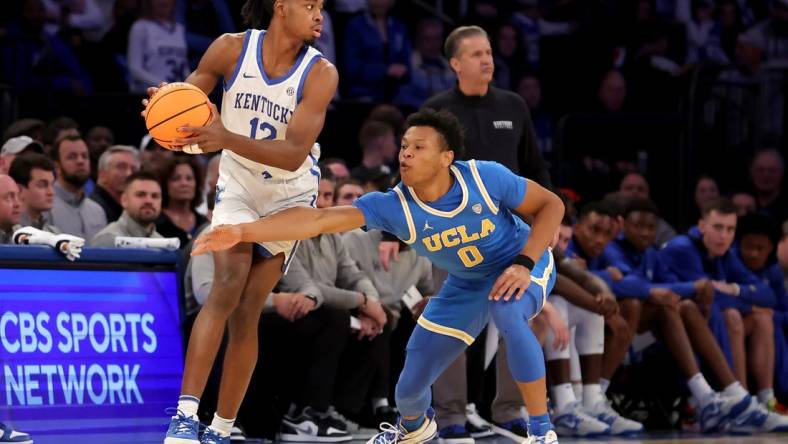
<point x="589" y="340"/>
<point x="428" y="354"/>
<point x="569" y="417"/>
<point x="759" y="328"/>
<point x="242" y="347"/>
<point x="526" y="360"/>
<point x="736" y="335"/>
<point x="231" y="272"/>
<point x="620" y="332"/>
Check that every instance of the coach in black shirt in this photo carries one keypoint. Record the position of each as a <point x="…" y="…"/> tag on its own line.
<point x="497" y="122"/>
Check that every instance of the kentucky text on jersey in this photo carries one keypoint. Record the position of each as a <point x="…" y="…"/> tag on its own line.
<point x="262" y="104"/>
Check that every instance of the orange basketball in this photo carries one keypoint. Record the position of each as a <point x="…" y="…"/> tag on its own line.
<point x="173" y="106"/>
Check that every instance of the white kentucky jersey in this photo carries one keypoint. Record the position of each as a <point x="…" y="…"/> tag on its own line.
<point x="158" y="50"/>
<point x="258" y="107"/>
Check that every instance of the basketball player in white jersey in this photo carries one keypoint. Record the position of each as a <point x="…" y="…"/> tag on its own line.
<point x="276" y="92"/>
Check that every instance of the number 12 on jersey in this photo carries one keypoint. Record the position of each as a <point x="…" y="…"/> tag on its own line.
<point x="255" y="124"/>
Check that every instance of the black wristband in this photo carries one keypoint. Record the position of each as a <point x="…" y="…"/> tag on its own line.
<point x="525" y="261"/>
<point x="312" y="298"/>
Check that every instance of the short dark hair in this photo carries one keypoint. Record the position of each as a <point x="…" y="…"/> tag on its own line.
<point x="141" y="175"/>
<point x="325" y="173"/>
<point x="632" y="173"/>
<point x="722" y="205"/>
<point x="445" y="123"/>
<point x="56" y="125"/>
<point x="21" y="169"/>
<point x="759" y="223"/>
<point x="343" y="182"/>
<point x="641" y="205"/>
<point x="257" y="13"/>
<point x="390" y="115"/>
<point x="616" y="201"/>
<point x="371" y="130"/>
<point x="452" y="44"/>
<point x="167" y="170"/>
<point x="331" y="160"/>
<point x="597" y="207"/>
<point x="71" y="137"/>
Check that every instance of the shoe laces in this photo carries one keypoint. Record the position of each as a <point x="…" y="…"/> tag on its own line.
<point x="183" y="424"/>
<point x="210" y="436"/>
<point x="389" y="434"/>
<point x="550" y="436"/>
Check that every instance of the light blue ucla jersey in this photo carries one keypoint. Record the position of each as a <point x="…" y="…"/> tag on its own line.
<point x="470" y="231"/>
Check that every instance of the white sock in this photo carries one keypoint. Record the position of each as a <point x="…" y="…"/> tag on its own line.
<point x="735" y="390"/>
<point x="222" y="426"/>
<point x="188" y="405"/>
<point x="562" y="395"/>
<point x="604" y="383"/>
<point x="578" y="389"/>
<point x="379" y="402"/>
<point x="700" y="388"/>
<point x="592" y="395"/>
<point x="765" y="395"/>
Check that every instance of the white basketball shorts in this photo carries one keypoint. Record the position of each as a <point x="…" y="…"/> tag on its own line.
<point x="243" y="195"/>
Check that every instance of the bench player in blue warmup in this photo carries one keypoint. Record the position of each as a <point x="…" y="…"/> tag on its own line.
<point x="460" y="215"/>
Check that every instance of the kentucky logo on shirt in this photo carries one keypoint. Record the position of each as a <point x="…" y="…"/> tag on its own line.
<point x="262" y="104"/>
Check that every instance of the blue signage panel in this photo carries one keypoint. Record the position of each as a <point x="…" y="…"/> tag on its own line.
<point x="89" y="352"/>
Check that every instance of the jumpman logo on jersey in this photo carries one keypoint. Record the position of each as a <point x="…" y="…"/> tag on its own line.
<point x="427" y="226"/>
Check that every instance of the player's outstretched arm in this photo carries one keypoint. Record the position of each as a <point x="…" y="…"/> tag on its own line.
<point x="547" y="210"/>
<point x="292" y="224"/>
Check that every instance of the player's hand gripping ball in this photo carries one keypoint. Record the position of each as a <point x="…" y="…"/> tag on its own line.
<point x="173" y="106"/>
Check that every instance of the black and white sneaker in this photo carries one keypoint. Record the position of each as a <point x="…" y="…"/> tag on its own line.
<point x="358" y="431"/>
<point x="477" y="426"/>
<point x="309" y="426"/>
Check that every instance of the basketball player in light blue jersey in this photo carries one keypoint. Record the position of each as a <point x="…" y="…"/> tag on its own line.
<point x="460" y="215"/>
<point x="276" y="90"/>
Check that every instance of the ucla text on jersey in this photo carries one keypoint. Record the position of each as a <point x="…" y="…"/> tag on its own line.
<point x="471" y="231"/>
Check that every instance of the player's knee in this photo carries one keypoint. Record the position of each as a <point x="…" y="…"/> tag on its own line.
<point x="631" y="306"/>
<point x="243" y="322"/>
<point x="688" y="308"/>
<point x="509" y="316"/>
<point x="553" y="354"/>
<point x="734" y="322"/>
<point x="619" y="330"/>
<point x="590" y="339"/>
<point x="668" y="313"/>
<point x="763" y="321"/>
